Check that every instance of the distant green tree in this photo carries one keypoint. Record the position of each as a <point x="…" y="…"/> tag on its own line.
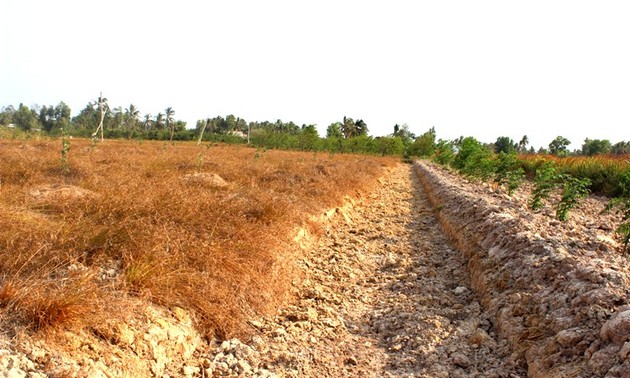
<point x="474" y="159"/>
<point x="348" y="128"/>
<point x="25" y="118"/>
<point x="169" y="119"/>
<point x="308" y="139"/>
<point x="6" y="115"/>
<point x="361" y="127"/>
<point x="159" y="121"/>
<point x="389" y="145"/>
<point x="147" y="124"/>
<point x="118" y="118"/>
<point x="559" y="146"/>
<point x="132" y="116"/>
<point x="334" y="130"/>
<point x="596" y="146"/>
<point x="620" y="148"/>
<point x="54" y="117"/>
<point x="522" y="145"/>
<point x="87" y="119"/>
<point x="444" y="152"/>
<point x="351" y="128"/>
<point x="403" y="132"/>
<point x="505" y="144"/>
<point x="424" y="145"/>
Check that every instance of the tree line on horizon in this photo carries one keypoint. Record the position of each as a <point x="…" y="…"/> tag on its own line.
<point x="348" y="135"/>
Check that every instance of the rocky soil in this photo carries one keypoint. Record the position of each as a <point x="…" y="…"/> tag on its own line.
<point x="558" y="292"/>
<point x="383" y="295"/>
<point x="426" y="276"/>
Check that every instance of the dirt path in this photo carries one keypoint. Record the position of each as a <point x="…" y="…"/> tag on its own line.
<point x="384" y="295"/>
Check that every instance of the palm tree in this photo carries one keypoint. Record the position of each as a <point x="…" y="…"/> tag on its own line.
<point x="348" y="127"/>
<point x="147" y="121"/>
<point x="131" y="114"/>
<point x="522" y="145"/>
<point x="170" y="121"/>
<point x="159" y="121"/>
<point x="360" y="127"/>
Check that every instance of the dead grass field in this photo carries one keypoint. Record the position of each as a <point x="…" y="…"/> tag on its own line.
<point x="205" y="228"/>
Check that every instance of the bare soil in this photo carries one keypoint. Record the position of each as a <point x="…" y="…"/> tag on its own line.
<point x="384" y="295"/>
<point x="426" y="276"/>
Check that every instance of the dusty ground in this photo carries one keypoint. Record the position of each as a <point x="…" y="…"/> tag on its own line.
<point x="383" y="295"/>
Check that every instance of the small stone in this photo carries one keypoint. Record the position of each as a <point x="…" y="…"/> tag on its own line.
<point x="602" y="360"/>
<point x="190" y="371"/>
<point x="257" y="324"/>
<point x="330" y="322"/>
<point x="15" y="373"/>
<point x="569" y="337"/>
<point x="460" y="290"/>
<point x="617" y="329"/>
<point x="461" y="360"/>
<point x="279" y="332"/>
<point x="243" y="366"/>
<point x="351" y="361"/>
<point x="311" y="314"/>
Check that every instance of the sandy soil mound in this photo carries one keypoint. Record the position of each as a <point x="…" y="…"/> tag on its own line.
<point x="52" y="192"/>
<point x="210" y="180"/>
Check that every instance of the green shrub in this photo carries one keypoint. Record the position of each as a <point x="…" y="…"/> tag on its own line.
<point x="544" y="182"/>
<point x="573" y="190"/>
<point x="508" y="173"/>
<point x="622" y="206"/>
<point x="444" y="153"/>
<point x="474" y="159"/>
<point x="514" y="179"/>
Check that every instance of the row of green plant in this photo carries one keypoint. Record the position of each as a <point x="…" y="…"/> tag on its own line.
<point x="606" y="172"/>
<point x="621" y="206"/>
<point x="478" y="162"/>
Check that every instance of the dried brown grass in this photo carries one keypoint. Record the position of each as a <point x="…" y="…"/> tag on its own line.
<point x="221" y="251"/>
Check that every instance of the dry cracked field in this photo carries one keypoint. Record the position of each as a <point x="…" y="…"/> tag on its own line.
<point x="383" y="295"/>
<point x="422" y="274"/>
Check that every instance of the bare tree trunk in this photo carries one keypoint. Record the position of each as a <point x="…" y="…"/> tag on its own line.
<point x="102" y="106"/>
<point x="100" y="124"/>
<point x="202" y="131"/>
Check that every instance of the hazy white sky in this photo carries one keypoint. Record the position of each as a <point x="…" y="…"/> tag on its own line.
<point x="480" y="68"/>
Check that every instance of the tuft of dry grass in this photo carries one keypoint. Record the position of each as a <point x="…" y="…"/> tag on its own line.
<point x="163" y="221"/>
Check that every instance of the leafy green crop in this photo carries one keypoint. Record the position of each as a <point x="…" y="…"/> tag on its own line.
<point x="508" y="173"/>
<point x="544" y="182"/>
<point x="622" y="204"/>
<point x="514" y="179"/>
<point x="623" y="230"/>
<point x="573" y="190"/>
